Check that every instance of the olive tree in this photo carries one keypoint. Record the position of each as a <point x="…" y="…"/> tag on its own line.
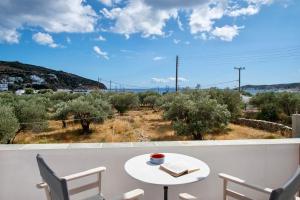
<point x="31" y="113"/>
<point x="61" y="113"/>
<point x="151" y="100"/>
<point x="144" y="95"/>
<point x="165" y="100"/>
<point x="86" y="110"/>
<point x="261" y="99"/>
<point x="124" y="101"/>
<point x="277" y="107"/>
<point x="289" y="102"/>
<point x="7" y="98"/>
<point x="230" y="98"/>
<point x="9" y="124"/>
<point x="196" y="116"/>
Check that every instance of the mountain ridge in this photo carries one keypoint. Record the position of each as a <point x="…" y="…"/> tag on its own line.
<point x="281" y="86"/>
<point x="39" y="77"/>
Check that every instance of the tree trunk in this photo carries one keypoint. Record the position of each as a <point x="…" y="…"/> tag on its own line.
<point x="64" y="124"/>
<point x="197" y="136"/>
<point x="85" y="126"/>
<point x="11" y="141"/>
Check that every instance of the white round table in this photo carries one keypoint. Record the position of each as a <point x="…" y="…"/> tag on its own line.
<point x="140" y="168"/>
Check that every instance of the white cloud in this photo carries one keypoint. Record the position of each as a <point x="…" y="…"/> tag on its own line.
<point x="101" y="38"/>
<point x="9" y="35"/>
<point x="179" y="23"/>
<point x="168" y="80"/>
<point x="187" y="42"/>
<point x="149" y="17"/>
<point x="250" y="10"/>
<point x="101" y="53"/>
<point x="145" y="17"/>
<point x="170" y="4"/>
<point x="110" y="2"/>
<point x="261" y="2"/>
<point x="44" y="39"/>
<point x="203" y="18"/>
<point x="138" y="17"/>
<point x="51" y="16"/>
<point x="159" y="80"/>
<point x="157" y="58"/>
<point x="106" y="2"/>
<point x="180" y="79"/>
<point x="226" y="33"/>
<point x="175" y="41"/>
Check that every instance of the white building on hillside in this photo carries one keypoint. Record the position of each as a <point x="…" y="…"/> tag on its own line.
<point x="3" y="87"/>
<point x="20" y="92"/>
<point x="37" y="80"/>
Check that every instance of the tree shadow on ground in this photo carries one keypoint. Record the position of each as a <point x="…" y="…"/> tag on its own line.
<point x="73" y="135"/>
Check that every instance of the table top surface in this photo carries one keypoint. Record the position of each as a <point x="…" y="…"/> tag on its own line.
<point x="140" y="168"/>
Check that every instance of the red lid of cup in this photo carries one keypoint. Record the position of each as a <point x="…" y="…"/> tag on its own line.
<point x="157" y="155"/>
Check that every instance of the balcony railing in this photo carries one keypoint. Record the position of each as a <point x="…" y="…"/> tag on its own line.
<point x="268" y="163"/>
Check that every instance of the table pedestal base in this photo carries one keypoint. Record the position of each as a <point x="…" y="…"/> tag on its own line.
<point x="165" y="192"/>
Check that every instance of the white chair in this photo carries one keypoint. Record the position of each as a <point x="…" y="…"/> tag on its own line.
<point x="286" y="192"/>
<point x="56" y="187"/>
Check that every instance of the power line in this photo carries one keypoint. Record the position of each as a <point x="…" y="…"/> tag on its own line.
<point x="285" y="50"/>
<point x="121" y="84"/>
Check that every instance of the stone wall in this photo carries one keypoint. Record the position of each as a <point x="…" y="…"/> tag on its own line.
<point x="284" y="130"/>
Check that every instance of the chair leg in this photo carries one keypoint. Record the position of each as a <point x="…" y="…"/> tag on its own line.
<point x="224" y="189"/>
<point x="99" y="184"/>
<point x="47" y="191"/>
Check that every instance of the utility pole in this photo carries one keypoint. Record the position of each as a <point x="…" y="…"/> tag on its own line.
<point x="110" y="85"/>
<point x="176" y="82"/>
<point x="240" y="69"/>
<point x="99" y="81"/>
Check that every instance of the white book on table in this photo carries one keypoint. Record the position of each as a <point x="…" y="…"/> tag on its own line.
<point x="177" y="169"/>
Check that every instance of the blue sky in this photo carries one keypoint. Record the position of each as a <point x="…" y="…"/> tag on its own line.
<point x="134" y="42"/>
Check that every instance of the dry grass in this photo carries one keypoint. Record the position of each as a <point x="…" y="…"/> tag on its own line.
<point x="140" y="125"/>
<point x="235" y="132"/>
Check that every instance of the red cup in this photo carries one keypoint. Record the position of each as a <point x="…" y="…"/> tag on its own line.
<point x="157" y="158"/>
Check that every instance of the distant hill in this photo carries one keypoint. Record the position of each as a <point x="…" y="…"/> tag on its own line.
<point x="20" y="75"/>
<point x="274" y="87"/>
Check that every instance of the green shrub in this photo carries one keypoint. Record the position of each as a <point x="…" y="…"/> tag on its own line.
<point x="269" y="112"/>
<point x="29" y="91"/>
<point x="63" y="96"/>
<point x="7" y="98"/>
<point x="151" y="100"/>
<point x="45" y="91"/>
<point x="143" y="95"/>
<point x="9" y="124"/>
<point x="196" y="116"/>
<point x="122" y="102"/>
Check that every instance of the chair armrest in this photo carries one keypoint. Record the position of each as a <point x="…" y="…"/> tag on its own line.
<point x="133" y="194"/>
<point x="243" y="183"/>
<point x="41" y="185"/>
<point x="186" y="196"/>
<point x="84" y="173"/>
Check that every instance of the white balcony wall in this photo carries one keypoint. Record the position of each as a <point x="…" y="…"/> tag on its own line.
<point x="268" y="163"/>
